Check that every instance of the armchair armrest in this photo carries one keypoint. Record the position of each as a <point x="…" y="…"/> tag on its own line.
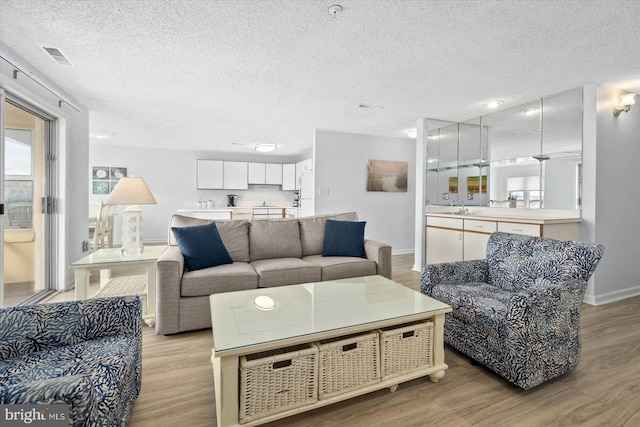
<point x="453" y="273"/>
<point x="381" y="254"/>
<point x="25" y="329"/>
<point x="77" y="391"/>
<point x="542" y="330"/>
<point x="169" y="271"/>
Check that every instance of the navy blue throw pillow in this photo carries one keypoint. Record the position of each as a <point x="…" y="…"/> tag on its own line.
<point x="344" y="238"/>
<point x="201" y="246"/>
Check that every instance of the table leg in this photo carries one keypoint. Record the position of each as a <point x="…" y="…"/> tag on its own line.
<point x="226" y="384"/>
<point x="150" y="318"/>
<point x="82" y="283"/>
<point x="105" y="276"/>
<point x="438" y="347"/>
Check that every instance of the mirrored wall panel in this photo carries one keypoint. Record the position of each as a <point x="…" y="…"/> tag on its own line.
<point x="527" y="156"/>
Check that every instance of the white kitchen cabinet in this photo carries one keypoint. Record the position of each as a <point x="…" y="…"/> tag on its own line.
<point x="257" y="173"/>
<point x="235" y="176"/>
<point x="273" y="173"/>
<point x="443" y="245"/>
<point x="206" y="213"/>
<point x="475" y="238"/>
<point x="269" y="213"/>
<point x="210" y="174"/>
<point x="453" y="238"/>
<point x="289" y="176"/>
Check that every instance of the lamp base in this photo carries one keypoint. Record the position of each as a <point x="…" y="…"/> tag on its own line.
<point x="131" y="232"/>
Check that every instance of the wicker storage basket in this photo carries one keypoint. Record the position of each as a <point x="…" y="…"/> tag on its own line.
<point x="348" y="363"/>
<point x="405" y="348"/>
<point x="275" y="381"/>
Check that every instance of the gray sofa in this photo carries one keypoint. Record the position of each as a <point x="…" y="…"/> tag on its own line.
<point x="265" y="253"/>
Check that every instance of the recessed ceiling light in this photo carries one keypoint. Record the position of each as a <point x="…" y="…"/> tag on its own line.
<point x="412" y="133"/>
<point x="265" y="148"/>
<point x="493" y="104"/>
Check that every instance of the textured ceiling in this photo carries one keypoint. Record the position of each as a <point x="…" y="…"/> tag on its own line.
<point x="224" y="75"/>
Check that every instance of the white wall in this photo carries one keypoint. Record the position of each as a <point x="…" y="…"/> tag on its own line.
<point x="171" y="177"/>
<point x="72" y="128"/>
<point x="610" y="194"/>
<point x="340" y="161"/>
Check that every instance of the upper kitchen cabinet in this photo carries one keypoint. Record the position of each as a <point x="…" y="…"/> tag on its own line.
<point x="257" y="173"/>
<point x="289" y="176"/>
<point x="235" y="176"/>
<point x="210" y="175"/>
<point x="265" y="173"/>
<point x="273" y="174"/>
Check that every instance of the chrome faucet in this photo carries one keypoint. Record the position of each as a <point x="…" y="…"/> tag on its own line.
<point x="463" y="210"/>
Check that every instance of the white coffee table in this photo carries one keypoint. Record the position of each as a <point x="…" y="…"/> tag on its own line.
<point x="110" y="258"/>
<point x="308" y="313"/>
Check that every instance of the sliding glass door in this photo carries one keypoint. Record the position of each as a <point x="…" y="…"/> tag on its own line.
<point x="27" y="166"/>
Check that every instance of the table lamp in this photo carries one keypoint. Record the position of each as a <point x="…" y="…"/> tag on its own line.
<point x="132" y="191"/>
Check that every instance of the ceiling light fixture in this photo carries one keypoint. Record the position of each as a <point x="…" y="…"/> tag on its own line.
<point x="265" y="148"/>
<point x="626" y="101"/>
<point x="493" y="104"/>
<point x="335" y="10"/>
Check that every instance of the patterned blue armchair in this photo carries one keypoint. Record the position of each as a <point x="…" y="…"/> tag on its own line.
<point x="517" y="311"/>
<point x="83" y="353"/>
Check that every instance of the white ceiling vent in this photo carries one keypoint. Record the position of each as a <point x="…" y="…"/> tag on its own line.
<point x="58" y="56"/>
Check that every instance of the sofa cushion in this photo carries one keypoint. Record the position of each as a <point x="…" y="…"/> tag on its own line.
<point x="201" y="246"/>
<point x="333" y="268"/>
<point x="344" y="238"/>
<point x="285" y="271"/>
<point x="234" y="234"/>
<point x="274" y="239"/>
<point x="223" y="278"/>
<point x="312" y="231"/>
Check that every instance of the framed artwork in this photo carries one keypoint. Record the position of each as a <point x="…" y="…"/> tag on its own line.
<point x="101" y="173"/>
<point x="474" y="184"/>
<point x="117" y="173"/>
<point x="105" y="178"/>
<point x="387" y="175"/>
<point x="453" y="185"/>
<point x="101" y="187"/>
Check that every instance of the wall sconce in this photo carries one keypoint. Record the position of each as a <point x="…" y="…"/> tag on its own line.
<point x="626" y="101"/>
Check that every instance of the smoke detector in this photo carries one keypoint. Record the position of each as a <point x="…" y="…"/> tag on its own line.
<point x="335" y="10"/>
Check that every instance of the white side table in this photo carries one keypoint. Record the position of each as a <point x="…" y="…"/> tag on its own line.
<point x="106" y="259"/>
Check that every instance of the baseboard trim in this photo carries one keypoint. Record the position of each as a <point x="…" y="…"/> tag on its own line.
<point x="610" y="297"/>
<point x="401" y="251"/>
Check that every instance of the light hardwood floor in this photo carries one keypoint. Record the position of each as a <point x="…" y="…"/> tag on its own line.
<point x="604" y="390"/>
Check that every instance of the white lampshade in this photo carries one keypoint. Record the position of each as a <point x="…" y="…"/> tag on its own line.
<point x="130" y="191"/>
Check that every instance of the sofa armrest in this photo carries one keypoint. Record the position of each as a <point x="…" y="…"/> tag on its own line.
<point x="76" y="390"/>
<point x="381" y="254"/>
<point x="453" y="273"/>
<point x="26" y="329"/>
<point x="169" y="271"/>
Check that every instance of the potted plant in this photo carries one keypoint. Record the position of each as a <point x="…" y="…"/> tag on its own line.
<point x="513" y="201"/>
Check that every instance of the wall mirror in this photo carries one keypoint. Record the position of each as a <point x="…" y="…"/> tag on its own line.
<point x="528" y="156"/>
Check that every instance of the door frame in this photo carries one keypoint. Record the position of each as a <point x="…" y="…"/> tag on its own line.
<point x="51" y="191"/>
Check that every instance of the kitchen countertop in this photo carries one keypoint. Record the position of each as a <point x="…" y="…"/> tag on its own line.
<point x="508" y="218"/>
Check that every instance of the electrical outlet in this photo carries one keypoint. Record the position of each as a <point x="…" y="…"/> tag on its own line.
<point x="85" y="246"/>
<point x="469" y="196"/>
<point x="445" y="196"/>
